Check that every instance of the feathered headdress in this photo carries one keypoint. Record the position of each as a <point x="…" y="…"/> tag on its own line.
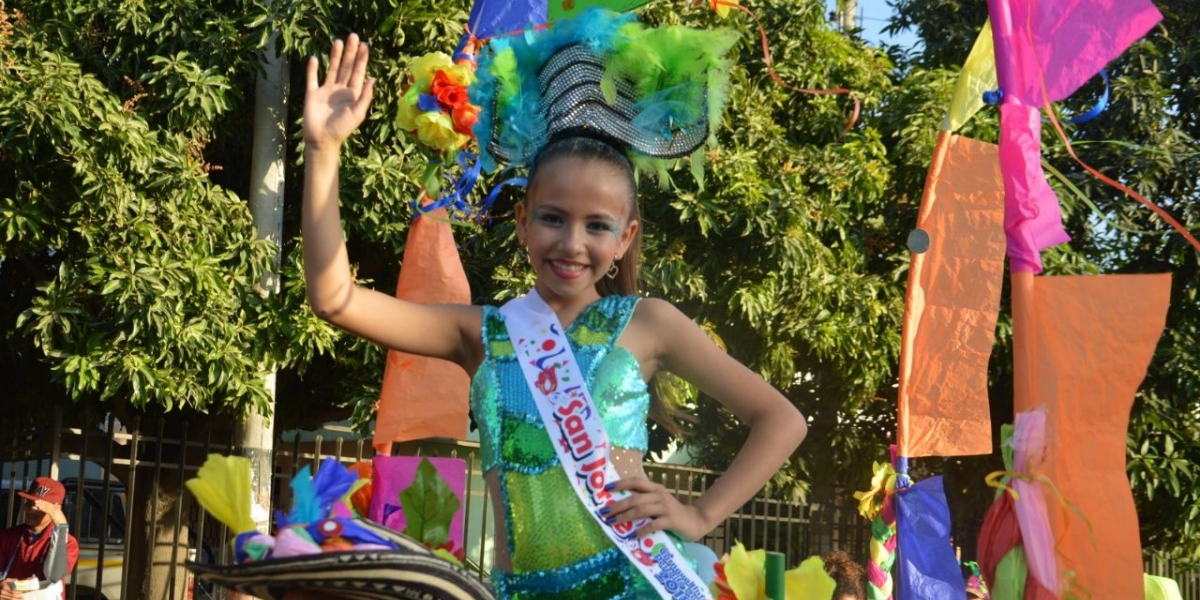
<point x="657" y="92"/>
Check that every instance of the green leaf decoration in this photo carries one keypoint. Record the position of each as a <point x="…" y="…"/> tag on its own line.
<point x="433" y="179"/>
<point x="429" y="506"/>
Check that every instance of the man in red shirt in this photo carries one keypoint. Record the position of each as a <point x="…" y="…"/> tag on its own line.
<point x="41" y="547"/>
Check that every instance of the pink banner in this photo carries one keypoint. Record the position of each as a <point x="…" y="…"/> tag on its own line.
<point x="391" y="475"/>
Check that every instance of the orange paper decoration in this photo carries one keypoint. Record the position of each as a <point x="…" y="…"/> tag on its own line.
<point x="1083" y="344"/>
<point x="425" y="397"/>
<point x="953" y="301"/>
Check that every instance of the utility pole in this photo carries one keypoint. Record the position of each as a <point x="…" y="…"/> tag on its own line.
<point x="255" y="436"/>
<point x="847" y="18"/>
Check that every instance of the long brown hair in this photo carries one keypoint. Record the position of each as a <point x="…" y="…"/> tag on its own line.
<point x="588" y="145"/>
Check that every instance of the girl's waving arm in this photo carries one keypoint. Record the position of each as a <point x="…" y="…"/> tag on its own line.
<point x="333" y="109"/>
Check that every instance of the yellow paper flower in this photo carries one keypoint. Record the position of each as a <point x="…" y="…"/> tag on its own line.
<point x="883" y="482"/>
<point x="746" y="573"/>
<point x="809" y="580"/>
<point x="436" y="130"/>
<point x="721" y="8"/>
<point x="460" y="74"/>
<point x="222" y="487"/>
<point x="407" y="112"/>
<point x="425" y="66"/>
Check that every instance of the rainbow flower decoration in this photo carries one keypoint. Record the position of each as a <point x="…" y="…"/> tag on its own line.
<point x="435" y="106"/>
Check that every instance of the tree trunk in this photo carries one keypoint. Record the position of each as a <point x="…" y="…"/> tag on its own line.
<point x="255" y="437"/>
<point x="157" y="550"/>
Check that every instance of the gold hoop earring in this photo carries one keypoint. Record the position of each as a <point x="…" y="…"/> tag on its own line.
<point x="612" y="271"/>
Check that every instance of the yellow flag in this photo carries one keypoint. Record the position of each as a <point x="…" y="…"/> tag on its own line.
<point x="978" y="76"/>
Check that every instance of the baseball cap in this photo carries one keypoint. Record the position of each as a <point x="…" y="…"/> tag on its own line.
<point x="47" y="489"/>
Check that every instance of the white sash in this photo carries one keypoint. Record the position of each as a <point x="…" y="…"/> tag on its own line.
<point x="574" y="425"/>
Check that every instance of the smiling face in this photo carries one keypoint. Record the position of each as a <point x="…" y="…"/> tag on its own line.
<point x="576" y="224"/>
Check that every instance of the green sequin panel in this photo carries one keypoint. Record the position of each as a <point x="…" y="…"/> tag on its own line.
<point x="501" y="348"/>
<point x="582" y="335"/>
<point x="550" y="527"/>
<point x="609" y="585"/>
<point x="526" y="445"/>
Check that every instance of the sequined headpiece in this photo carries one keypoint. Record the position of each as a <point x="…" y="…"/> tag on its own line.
<point x="656" y="92"/>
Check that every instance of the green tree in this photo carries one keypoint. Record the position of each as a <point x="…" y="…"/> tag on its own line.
<point x="1146" y="139"/>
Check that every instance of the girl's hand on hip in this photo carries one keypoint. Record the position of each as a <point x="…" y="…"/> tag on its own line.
<point x="651" y="500"/>
<point x="333" y="109"/>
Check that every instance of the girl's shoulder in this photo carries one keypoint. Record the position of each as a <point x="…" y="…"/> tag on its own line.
<point x="659" y="321"/>
<point x="656" y="312"/>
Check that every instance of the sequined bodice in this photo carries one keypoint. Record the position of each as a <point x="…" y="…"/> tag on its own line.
<point x="517" y="449"/>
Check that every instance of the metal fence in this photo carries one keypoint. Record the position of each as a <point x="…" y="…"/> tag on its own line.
<point x="1188" y="579"/>
<point x="110" y="470"/>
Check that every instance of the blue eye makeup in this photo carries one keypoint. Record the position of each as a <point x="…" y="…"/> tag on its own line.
<point x="602" y="227"/>
<point x="546" y="217"/>
<point x="552" y="218"/>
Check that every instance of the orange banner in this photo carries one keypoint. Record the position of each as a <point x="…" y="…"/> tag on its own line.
<point x="954" y="283"/>
<point x="425" y="397"/>
<point x="1083" y="345"/>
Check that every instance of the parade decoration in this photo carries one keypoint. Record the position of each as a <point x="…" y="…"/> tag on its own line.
<point x="424" y="397"/>
<point x="954" y="279"/>
<point x="435" y="107"/>
<point x="741" y="575"/>
<point x="320" y="546"/>
<point x="877" y="505"/>
<point x="1082" y="345"/>
<point x="926" y="563"/>
<point x="422" y="497"/>
<point x="1038" y="540"/>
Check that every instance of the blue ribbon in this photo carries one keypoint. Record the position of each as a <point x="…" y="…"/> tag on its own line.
<point x="490" y="199"/>
<point x="1101" y="104"/>
<point x="455" y="197"/>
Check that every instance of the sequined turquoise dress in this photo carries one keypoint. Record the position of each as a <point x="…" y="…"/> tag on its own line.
<point x="556" y="549"/>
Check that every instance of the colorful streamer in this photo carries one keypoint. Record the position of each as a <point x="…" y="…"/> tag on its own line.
<point x="883" y="554"/>
<point x="1044" y="52"/>
<point x="876" y="504"/>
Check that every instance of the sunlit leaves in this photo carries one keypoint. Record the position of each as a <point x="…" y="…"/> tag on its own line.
<point x="151" y="296"/>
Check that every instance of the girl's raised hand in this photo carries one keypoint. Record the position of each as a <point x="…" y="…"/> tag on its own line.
<point x="333" y="109"/>
<point x="650" y="500"/>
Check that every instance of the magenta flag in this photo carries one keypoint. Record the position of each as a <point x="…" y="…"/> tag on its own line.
<point x="1045" y="50"/>
<point x="1062" y="43"/>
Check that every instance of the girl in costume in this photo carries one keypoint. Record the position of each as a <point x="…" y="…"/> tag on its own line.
<point x="577" y="515"/>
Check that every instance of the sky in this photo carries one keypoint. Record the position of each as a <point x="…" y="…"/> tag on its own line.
<point x="873" y="16"/>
